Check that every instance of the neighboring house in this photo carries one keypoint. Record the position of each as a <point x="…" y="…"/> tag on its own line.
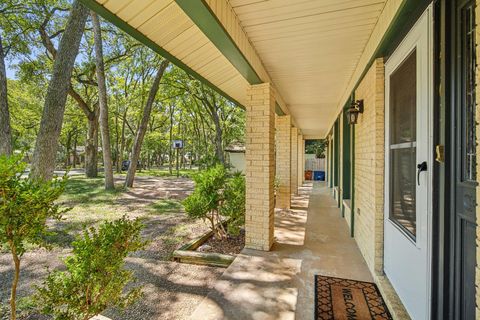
<point x="236" y="156"/>
<point x="392" y="85"/>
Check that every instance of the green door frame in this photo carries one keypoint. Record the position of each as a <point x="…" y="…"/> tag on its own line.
<point x="336" y="146"/>
<point x="352" y="179"/>
<point x="346" y="157"/>
<point x="330" y="162"/>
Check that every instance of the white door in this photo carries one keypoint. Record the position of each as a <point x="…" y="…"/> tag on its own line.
<point x="408" y="162"/>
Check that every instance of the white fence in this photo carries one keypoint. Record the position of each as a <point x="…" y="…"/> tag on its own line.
<point x="314" y="164"/>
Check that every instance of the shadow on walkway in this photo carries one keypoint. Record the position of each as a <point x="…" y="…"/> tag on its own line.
<point x="311" y="238"/>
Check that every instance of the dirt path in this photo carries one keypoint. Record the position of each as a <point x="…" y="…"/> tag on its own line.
<point x="171" y="290"/>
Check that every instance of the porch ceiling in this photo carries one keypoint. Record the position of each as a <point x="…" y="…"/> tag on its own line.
<point x="309" y="49"/>
<point x="165" y="24"/>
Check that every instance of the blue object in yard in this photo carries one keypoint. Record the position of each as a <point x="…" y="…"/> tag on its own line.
<point x="319" y="175"/>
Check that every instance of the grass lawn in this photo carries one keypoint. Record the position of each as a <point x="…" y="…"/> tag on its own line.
<point x="91" y="204"/>
<point x="166" y="173"/>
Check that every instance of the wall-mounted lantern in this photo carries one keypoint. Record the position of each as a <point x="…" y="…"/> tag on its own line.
<point x="356" y="107"/>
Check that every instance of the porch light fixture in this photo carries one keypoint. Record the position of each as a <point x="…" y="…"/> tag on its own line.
<point x="356" y="107"/>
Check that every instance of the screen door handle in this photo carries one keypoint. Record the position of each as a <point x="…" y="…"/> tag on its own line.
<point x="421" y="167"/>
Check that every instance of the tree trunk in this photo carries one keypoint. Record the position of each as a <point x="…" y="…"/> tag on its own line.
<point x="68" y="148"/>
<point x="142" y="128"/>
<point x="122" y="141"/>
<point x="102" y="94"/>
<point x="117" y="143"/>
<point x="16" y="277"/>
<point x="75" y="151"/>
<point x="5" y="132"/>
<point x="170" y="155"/>
<point x="91" y="147"/>
<point x="43" y="163"/>
<point x="218" y="138"/>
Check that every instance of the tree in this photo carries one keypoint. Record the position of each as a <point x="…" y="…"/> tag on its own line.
<point x="218" y="194"/>
<point x="316" y="147"/>
<point x="5" y="132"/>
<point x="102" y="93"/>
<point x="13" y="40"/>
<point x="95" y="277"/>
<point x="142" y="128"/>
<point x="43" y="163"/>
<point x="25" y="206"/>
<point x="206" y="199"/>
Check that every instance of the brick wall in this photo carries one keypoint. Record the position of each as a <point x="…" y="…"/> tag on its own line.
<point x="301" y="160"/>
<point x="369" y="168"/>
<point x="283" y="145"/>
<point x="260" y="167"/>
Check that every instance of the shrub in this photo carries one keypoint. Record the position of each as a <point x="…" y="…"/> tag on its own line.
<point x="205" y="200"/>
<point x="217" y="194"/>
<point x="95" y="278"/>
<point x="233" y="205"/>
<point x="25" y="206"/>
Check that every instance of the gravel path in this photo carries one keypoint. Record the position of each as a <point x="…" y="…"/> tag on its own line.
<point x="171" y="290"/>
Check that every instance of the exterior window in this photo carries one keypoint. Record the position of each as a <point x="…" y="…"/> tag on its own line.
<point x="468" y="55"/>
<point x="403" y="135"/>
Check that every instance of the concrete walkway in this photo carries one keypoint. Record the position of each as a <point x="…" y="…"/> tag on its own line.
<point x="310" y="239"/>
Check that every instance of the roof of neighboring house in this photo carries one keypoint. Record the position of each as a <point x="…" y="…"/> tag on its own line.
<point x="236" y="147"/>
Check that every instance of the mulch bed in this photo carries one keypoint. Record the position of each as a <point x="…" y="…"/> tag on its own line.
<point x="232" y="245"/>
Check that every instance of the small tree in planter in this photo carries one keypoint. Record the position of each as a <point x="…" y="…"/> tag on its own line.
<point x="95" y="278"/>
<point x="218" y="195"/>
<point x="206" y="199"/>
<point x="233" y="205"/>
<point x="25" y="206"/>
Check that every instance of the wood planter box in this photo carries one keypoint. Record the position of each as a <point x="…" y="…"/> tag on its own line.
<point x="187" y="254"/>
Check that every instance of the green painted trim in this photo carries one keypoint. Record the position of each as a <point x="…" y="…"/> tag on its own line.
<point x="207" y="21"/>
<point x="278" y="110"/>
<point x="346" y="164"/>
<point x="352" y="179"/>
<point x="352" y="187"/>
<point x="107" y="15"/>
<point x="337" y="161"/>
<point x="336" y="154"/>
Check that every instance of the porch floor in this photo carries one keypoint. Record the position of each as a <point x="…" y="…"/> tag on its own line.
<point x="311" y="238"/>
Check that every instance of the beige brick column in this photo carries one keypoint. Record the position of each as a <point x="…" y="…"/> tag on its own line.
<point x="283" y="145"/>
<point x="260" y="167"/>
<point x="294" y="161"/>
<point x="302" y="152"/>
<point x="301" y="160"/>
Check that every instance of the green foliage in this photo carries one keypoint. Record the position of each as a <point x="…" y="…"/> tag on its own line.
<point x="95" y="278"/>
<point x="216" y="195"/>
<point x="233" y="205"/>
<point x="316" y="147"/>
<point x="25" y="205"/>
<point x="205" y="200"/>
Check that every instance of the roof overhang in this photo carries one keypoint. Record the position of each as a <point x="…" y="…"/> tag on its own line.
<point x="313" y="52"/>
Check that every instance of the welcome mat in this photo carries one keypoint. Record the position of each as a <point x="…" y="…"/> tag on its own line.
<point x="345" y="299"/>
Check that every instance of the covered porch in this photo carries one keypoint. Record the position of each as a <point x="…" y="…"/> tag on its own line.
<point x="311" y="238"/>
<point x="295" y="68"/>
